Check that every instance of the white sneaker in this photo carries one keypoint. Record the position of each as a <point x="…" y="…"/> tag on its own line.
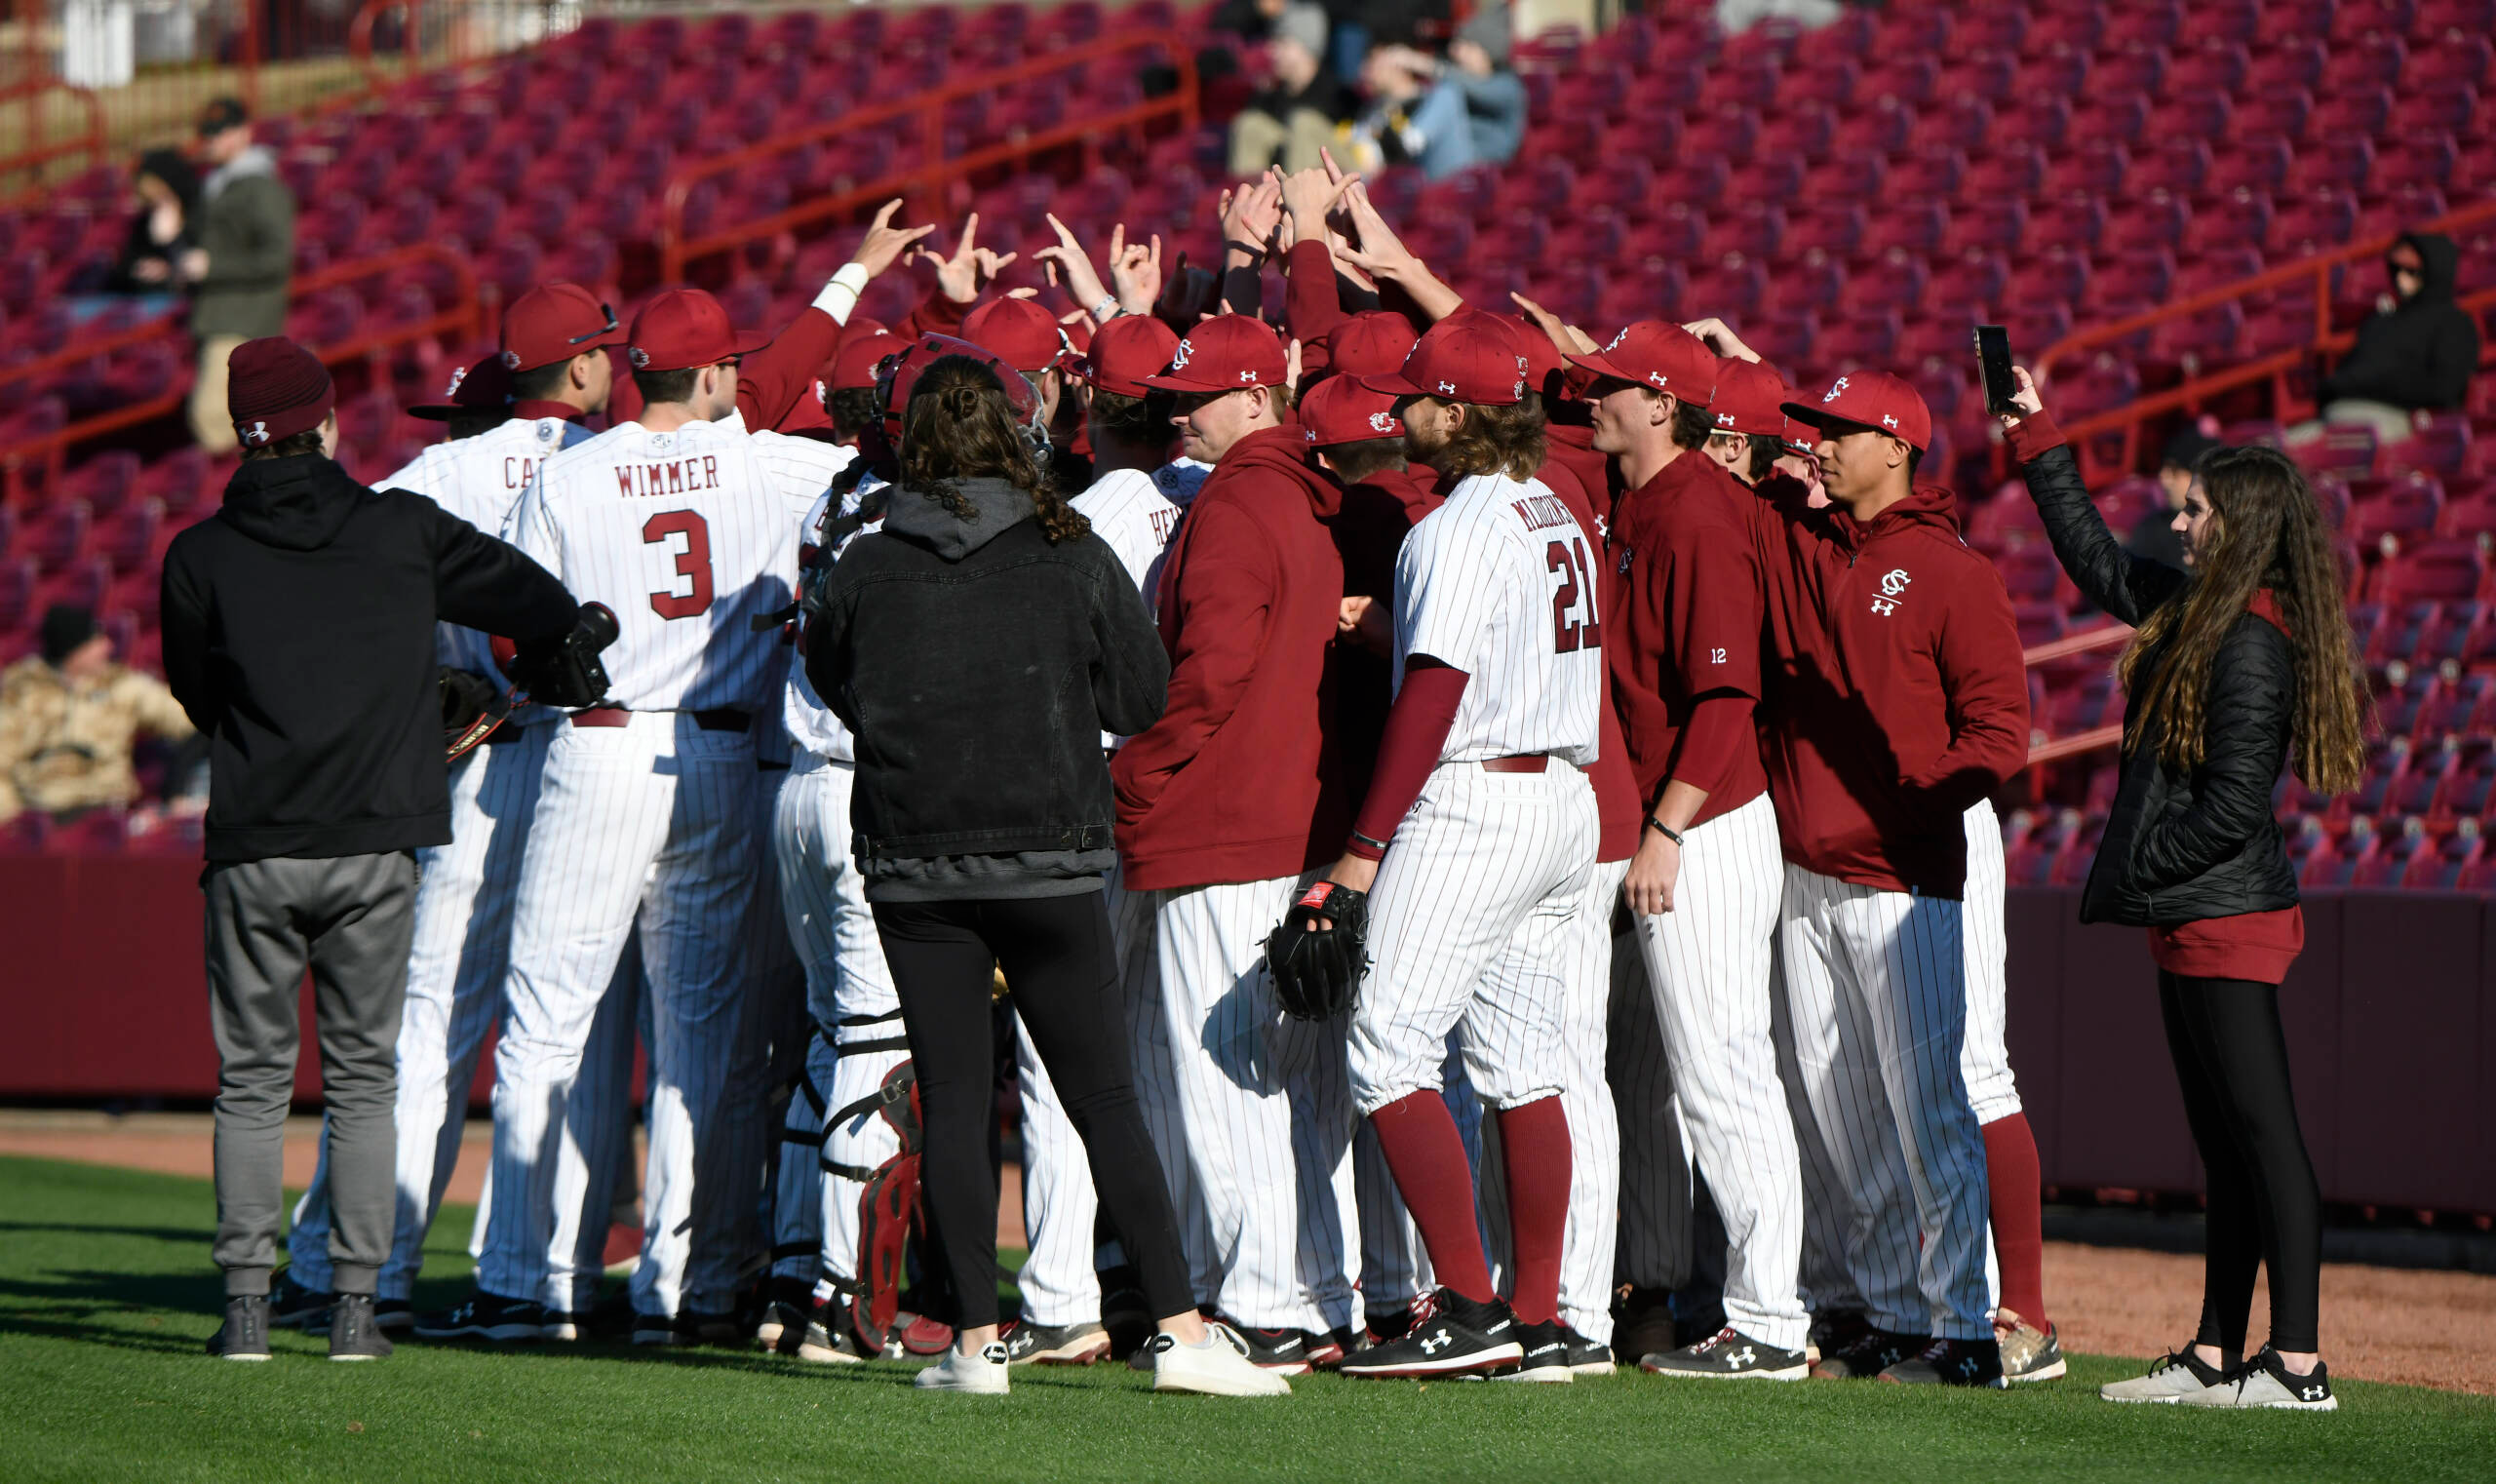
<point x="2266" y="1382"/>
<point x="1221" y="1368"/>
<point x="983" y="1373"/>
<point x="2172" y="1377"/>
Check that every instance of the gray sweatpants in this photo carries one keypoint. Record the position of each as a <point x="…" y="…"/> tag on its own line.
<point x="349" y="919"/>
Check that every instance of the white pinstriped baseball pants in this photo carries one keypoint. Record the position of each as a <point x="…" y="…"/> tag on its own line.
<point x="1707" y="966"/>
<point x="1265" y="1108"/>
<point x="851" y="1001"/>
<point x="1656" y="1191"/>
<point x="1135" y="936"/>
<point x="736" y="1207"/>
<point x="1588" y="1250"/>
<point x="1876" y="983"/>
<point x="642" y="831"/>
<point x="1061" y="1211"/>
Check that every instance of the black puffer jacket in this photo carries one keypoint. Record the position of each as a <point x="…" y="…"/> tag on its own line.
<point x="2179" y="845"/>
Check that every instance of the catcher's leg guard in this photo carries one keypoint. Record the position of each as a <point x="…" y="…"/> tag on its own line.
<point x="886" y="1209"/>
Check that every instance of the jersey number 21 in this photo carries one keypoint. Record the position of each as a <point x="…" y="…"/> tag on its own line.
<point x="1568" y="633"/>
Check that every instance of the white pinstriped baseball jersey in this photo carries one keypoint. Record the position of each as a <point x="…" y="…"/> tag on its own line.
<point x="688" y="537"/>
<point x="803" y="467"/>
<point x="480" y="480"/>
<point x="810" y="724"/>
<point x="1137" y="513"/>
<point x="1499" y="583"/>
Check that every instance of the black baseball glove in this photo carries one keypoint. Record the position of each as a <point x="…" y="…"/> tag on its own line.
<point x="472" y="707"/>
<point x="563" y="670"/>
<point x="1318" y="968"/>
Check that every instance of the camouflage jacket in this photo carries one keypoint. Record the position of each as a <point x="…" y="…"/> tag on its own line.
<point x="68" y="748"/>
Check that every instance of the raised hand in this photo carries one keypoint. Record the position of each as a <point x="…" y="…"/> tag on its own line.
<point x="1310" y="196"/>
<point x="1136" y="270"/>
<point x="885" y="242"/>
<point x="1068" y="258"/>
<point x="1720" y="339"/>
<point x="970" y="269"/>
<point x="1567" y="337"/>
<point x="1250" y="215"/>
<point x="2026" y="399"/>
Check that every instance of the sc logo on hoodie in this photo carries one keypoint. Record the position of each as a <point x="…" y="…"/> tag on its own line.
<point x="1892" y="584"/>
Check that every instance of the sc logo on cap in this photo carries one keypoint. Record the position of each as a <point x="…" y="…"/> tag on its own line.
<point x="1381" y="422"/>
<point x="639" y="358"/>
<point x="511" y="360"/>
<point x="1179" y="357"/>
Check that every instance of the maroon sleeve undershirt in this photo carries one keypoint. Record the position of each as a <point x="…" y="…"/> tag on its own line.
<point x="1417" y="731"/>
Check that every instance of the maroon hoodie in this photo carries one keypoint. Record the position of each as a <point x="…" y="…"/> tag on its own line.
<point x="1241" y="779"/>
<point x="1897" y="695"/>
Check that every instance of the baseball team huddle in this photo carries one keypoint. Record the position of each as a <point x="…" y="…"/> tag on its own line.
<point x="1555" y="901"/>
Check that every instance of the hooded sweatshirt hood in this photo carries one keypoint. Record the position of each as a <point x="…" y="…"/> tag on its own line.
<point x="1284" y="453"/>
<point x="994" y="507"/>
<point x="292" y="505"/>
<point x="2442" y="262"/>
<point x="254" y="160"/>
<point x="2420" y="353"/>
<point x="1927" y="505"/>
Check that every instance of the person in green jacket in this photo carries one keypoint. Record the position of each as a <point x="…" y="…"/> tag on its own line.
<point x="240" y="270"/>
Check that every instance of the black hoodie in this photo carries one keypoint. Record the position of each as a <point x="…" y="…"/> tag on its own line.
<point x="299" y="636"/>
<point x="2420" y="352"/>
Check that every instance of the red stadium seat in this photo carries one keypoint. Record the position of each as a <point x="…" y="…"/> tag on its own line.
<point x="2443" y="570"/>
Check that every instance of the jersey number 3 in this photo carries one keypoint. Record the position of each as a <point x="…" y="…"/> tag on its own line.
<point x="1567" y="634"/>
<point x="692" y="562"/>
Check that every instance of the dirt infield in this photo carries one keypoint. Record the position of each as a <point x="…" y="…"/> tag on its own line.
<point x="2378" y="1323"/>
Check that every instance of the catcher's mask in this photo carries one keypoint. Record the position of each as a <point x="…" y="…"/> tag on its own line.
<point x="898" y="372"/>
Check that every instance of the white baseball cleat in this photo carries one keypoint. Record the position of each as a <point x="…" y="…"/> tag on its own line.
<point x="1218" y="1367"/>
<point x="983" y="1374"/>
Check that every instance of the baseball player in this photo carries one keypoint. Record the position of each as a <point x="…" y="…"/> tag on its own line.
<point x="1222" y="805"/>
<point x="642" y="823"/>
<point x="1478" y="836"/>
<point x="552" y="371"/>
<point x="1898" y="698"/>
<point x="1703" y="887"/>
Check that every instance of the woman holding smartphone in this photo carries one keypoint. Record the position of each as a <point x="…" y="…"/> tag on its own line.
<point x="978" y="646"/>
<point x="2241" y="664"/>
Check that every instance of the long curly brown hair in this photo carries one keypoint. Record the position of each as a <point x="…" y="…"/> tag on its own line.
<point x="1495" y="439"/>
<point x="959" y="426"/>
<point x="2265" y="532"/>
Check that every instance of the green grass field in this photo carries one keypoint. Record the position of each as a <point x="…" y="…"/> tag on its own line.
<point x="106" y="1294"/>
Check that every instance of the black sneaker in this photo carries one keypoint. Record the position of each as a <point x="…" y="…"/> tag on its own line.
<point x="292" y="1306"/>
<point x="485" y="1316"/>
<point x="661" y="1329"/>
<point x="1952" y="1363"/>
<point x="394" y="1315"/>
<point x="1875" y="1351"/>
<point x="566" y="1324"/>
<point x="1545" y="1358"/>
<point x="354" y="1335"/>
<point x="1124" y="1311"/>
<point x="1729" y="1354"/>
<point x="1380" y="1325"/>
<point x="1834" y="1330"/>
<point x="245" y="1334"/>
<point x="1642" y="1323"/>
<point x="1078" y="1343"/>
<point x="1586" y="1358"/>
<point x="1451" y="1335"/>
<point x="714" y="1329"/>
<point x="1283" y="1351"/>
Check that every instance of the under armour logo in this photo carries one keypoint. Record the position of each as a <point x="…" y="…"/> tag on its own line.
<point x="2311" y="1393"/>
<point x="1832" y="394"/>
<point x="1888" y="421"/>
<point x="256" y="433"/>
<point x="639" y="358"/>
<point x="1447" y="388"/>
<point x="511" y="360"/>
<point x="1884" y="606"/>
<point x="1381" y="422"/>
<point x="1247" y="377"/>
<point x="1657" y="377"/>
<point x="1432" y="1345"/>
<point x="1724" y="419"/>
<point x="1895" y="581"/>
<point x="1179" y="357"/>
<point x="1743" y="1357"/>
<point x="458" y="374"/>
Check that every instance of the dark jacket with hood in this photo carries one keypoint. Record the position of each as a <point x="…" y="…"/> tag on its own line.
<point x="246" y="222"/>
<point x="1894" y="692"/>
<point x="2420" y="352"/>
<point x="2180" y="845"/>
<point x="978" y="665"/>
<point x="1244" y="777"/>
<point x="300" y="637"/>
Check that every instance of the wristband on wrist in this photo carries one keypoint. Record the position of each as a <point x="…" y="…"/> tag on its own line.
<point x="1378" y="845"/>
<point x="1664" y="829"/>
<point x="1106" y="310"/>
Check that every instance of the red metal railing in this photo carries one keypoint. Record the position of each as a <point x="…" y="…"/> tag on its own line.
<point x="2312" y="273"/>
<point x="932" y="169"/>
<point x="2070" y="645"/>
<point x="88" y="143"/>
<point x="463" y="317"/>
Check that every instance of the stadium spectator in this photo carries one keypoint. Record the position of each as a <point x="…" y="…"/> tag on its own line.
<point x="2155" y="536"/>
<point x="2242" y="665"/>
<point x="68" y="718"/>
<point x="2414" y="354"/>
<point x="300" y="637"/>
<point x="1467" y="109"/>
<point x="240" y="270"/>
<point x="951" y="643"/>
<point x="1293" y="117"/>
<point x="146" y="273"/>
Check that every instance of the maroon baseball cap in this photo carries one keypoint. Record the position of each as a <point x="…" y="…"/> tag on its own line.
<point x="1544" y="370"/>
<point x="275" y="389"/>
<point x="853" y="366"/>
<point x="1469" y="356"/>
<point x="1750" y="398"/>
<point x="1339" y="409"/>
<point x="1224" y="353"/>
<point x="1126" y="352"/>
<point x="1869" y="399"/>
<point x="686" y="328"/>
<point x="556" y="322"/>
<point x="1021" y="333"/>
<point x="1663" y="356"/>
<point x="1371" y="344"/>
<point x="483" y="387"/>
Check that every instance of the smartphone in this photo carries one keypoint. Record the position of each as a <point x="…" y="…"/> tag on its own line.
<point x="1993" y="364"/>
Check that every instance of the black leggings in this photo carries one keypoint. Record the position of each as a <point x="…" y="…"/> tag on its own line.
<point x="2266" y="1206"/>
<point x="1056" y="954"/>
